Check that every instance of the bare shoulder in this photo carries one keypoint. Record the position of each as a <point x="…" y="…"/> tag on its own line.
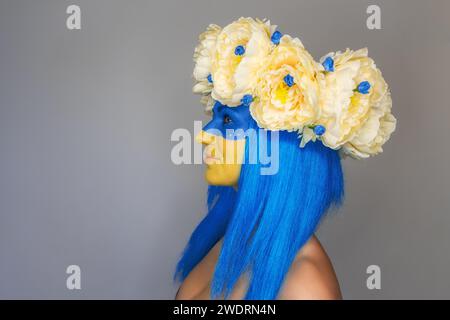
<point x="200" y="274"/>
<point x="311" y="276"/>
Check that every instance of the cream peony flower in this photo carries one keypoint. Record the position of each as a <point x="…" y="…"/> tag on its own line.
<point x="355" y="100"/>
<point x="203" y="54"/>
<point x="240" y="51"/>
<point x="374" y="133"/>
<point x="287" y="89"/>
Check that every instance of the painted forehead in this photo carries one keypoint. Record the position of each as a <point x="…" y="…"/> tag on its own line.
<point x="226" y="120"/>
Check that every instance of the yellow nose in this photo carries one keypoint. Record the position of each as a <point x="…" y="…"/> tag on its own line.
<point x="204" y="137"/>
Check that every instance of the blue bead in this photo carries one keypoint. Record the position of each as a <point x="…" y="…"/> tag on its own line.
<point x="328" y="64"/>
<point x="246" y="100"/>
<point x="289" y="80"/>
<point x="319" y="130"/>
<point x="239" y="50"/>
<point x="276" y="37"/>
<point x="364" y="87"/>
<point x="209" y="78"/>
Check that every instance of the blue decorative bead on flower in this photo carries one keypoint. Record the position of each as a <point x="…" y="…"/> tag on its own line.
<point x="363" y="87"/>
<point x="239" y="51"/>
<point x="289" y="80"/>
<point x="319" y="130"/>
<point x="276" y="37"/>
<point x="246" y="100"/>
<point x="209" y="78"/>
<point x="328" y="64"/>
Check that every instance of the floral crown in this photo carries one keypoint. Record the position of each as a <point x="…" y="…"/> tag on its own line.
<point x="343" y="101"/>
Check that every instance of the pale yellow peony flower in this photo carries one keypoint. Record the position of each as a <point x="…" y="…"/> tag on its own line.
<point x="353" y="119"/>
<point x="233" y="74"/>
<point x="202" y="57"/>
<point x="278" y="106"/>
<point x="374" y="133"/>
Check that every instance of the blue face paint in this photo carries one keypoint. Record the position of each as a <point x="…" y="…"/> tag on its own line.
<point x="226" y="120"/>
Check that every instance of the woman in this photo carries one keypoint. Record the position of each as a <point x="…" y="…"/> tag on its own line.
<point x="269" y="99"/>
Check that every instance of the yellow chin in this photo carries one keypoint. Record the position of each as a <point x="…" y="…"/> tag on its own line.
<point x="223" y="174"/>
<point x="225" y="168"/>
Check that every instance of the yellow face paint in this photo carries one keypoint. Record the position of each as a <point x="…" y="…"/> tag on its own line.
<point x="223" y="158"/>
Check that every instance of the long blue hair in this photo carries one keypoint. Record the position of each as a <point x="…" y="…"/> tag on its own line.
<point x="267" y="219"/>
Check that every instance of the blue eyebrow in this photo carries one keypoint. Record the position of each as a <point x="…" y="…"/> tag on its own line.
<point x="216" y="107"/>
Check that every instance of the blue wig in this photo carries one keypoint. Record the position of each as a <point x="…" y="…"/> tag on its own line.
<point x="267" y="220"/>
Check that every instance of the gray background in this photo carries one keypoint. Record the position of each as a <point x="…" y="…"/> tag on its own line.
<point x="85" y="123"/>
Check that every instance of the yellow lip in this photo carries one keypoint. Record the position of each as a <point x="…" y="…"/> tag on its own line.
<point x="211" y="160"/>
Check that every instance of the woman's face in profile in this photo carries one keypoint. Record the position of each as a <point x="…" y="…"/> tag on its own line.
<point x="224" y="142"/>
